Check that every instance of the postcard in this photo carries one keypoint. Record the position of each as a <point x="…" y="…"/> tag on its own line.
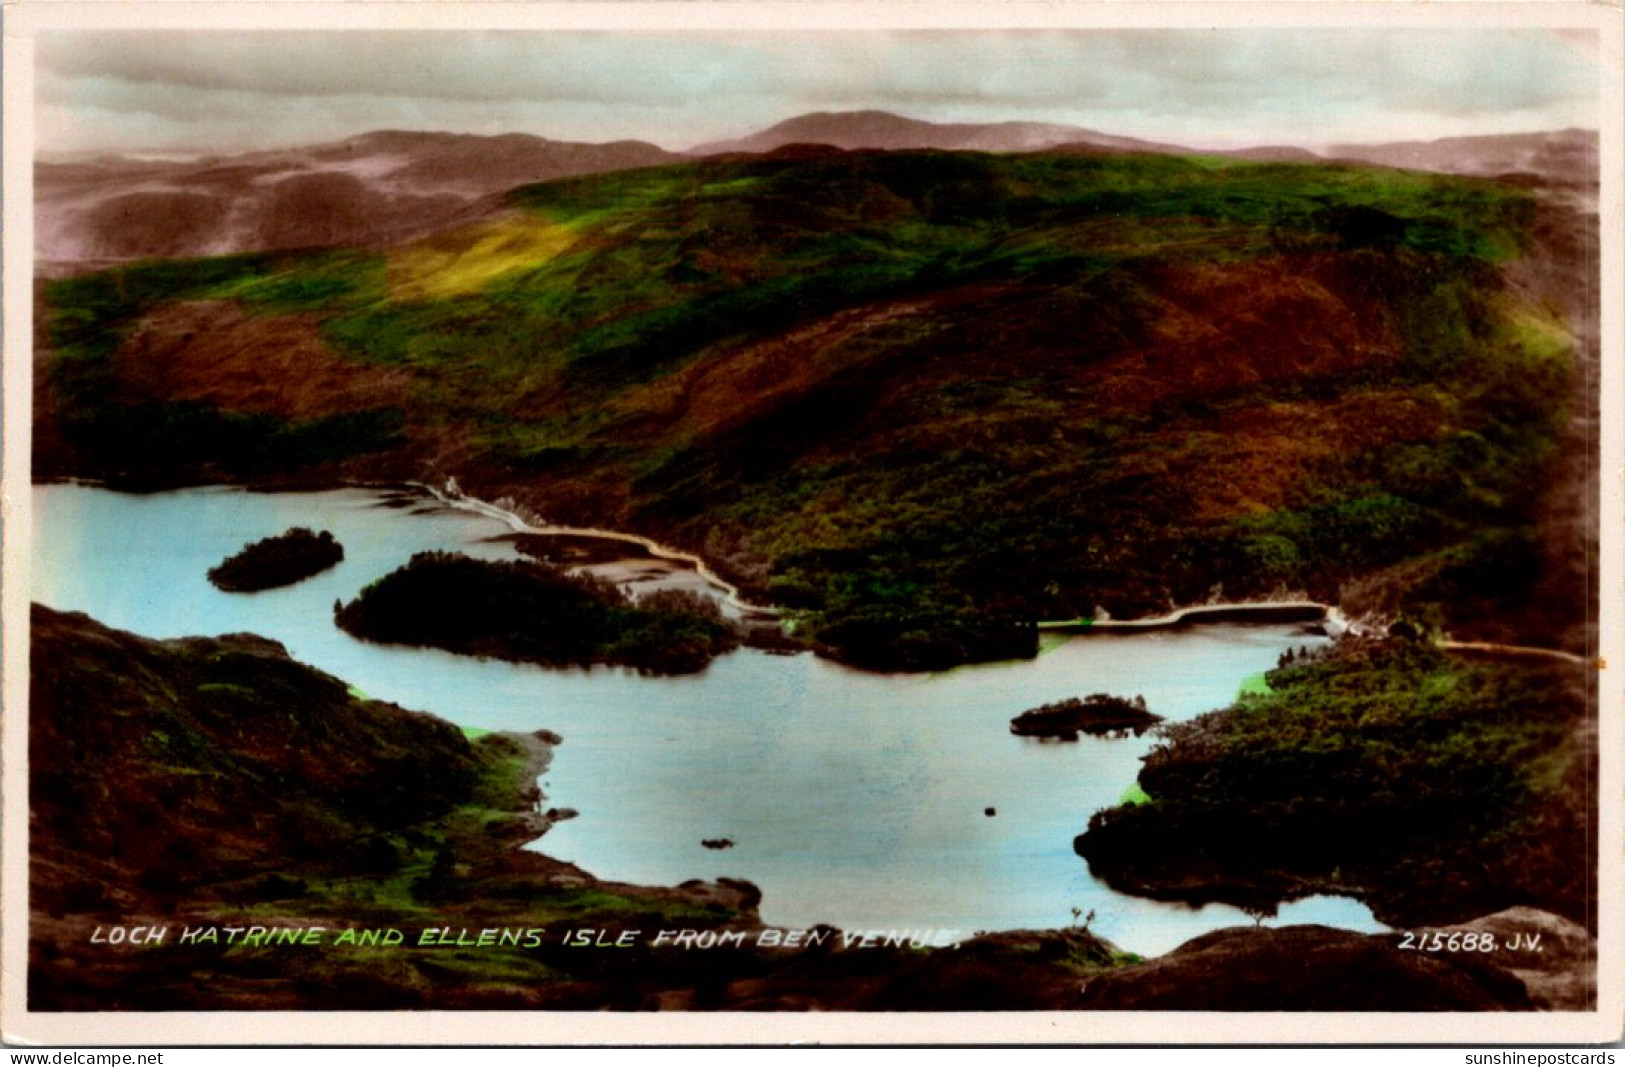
<point x="667" y="523"/>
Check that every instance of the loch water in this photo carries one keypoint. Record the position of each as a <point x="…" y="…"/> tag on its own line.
<point x="851" y="798"/>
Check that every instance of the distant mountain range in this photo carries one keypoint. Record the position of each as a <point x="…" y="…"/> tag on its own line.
<point x="388" y="186"/>
<point x="1560" y="155"/>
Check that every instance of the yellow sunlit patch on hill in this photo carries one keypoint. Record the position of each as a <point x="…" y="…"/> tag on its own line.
<point x="467" y="260"/>
<point x="1538" y="336"/>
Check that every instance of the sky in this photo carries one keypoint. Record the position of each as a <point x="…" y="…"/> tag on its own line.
<point x="221" y="91"/>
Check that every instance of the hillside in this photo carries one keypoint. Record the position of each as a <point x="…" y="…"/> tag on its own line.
<point x="1556" y="156"/>
<point x="394" y="185"/>
<point x="215" y="782"/>
<point x="269" y="821"/>
<point x="882" y="129"/>
<point x="196" y="737"/>
<point x="1432" y="787"/>
<point x="921" y="398"/>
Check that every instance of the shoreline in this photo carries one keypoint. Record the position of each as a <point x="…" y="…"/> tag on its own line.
<point x="1277" y="611"/>
<point x="482" y="879"/>
<point x="1273" y="611"/>
<point x="1331" y="616"/>
<point x="454" y="497"/>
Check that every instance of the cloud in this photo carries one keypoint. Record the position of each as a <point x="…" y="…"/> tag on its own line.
<point x="219" y="89"/>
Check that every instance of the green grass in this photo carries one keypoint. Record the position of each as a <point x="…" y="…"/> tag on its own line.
<point x="318" y="282"/>
<point x="1049" y="642"/>
<point x="1255" y="685"/>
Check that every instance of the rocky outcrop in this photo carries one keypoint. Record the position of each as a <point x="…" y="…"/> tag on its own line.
<point x="1554" y="958"/>
<point x="178" y="784"/>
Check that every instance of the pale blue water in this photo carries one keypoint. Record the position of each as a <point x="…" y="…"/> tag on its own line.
<point x="854" y="799"/>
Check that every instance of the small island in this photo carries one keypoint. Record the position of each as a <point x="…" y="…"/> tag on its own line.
<point x="532" y="612"/>
<point x="277" y="561"/>
<point x="1099" y="713"/>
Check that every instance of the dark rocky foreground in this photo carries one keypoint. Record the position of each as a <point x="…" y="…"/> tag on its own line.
<point x="1312" y="968"/>
<point x="215" y="784"/>
<point x="277" y="561"/>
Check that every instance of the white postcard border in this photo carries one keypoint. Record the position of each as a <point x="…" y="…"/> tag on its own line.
<point x="20" y="1027"/>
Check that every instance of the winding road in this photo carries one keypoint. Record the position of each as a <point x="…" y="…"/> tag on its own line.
<point x="453" y="497"/>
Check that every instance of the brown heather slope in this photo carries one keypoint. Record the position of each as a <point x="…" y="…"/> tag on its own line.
<point x="162" y="770"/>
<point x="264" y="364"/>
<point x="217" y="782"/>
<point x="1560" y="273"/>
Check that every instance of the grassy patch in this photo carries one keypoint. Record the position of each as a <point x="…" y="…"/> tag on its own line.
<point x="1255" y="685"/>
<point x="1134" y="796"/>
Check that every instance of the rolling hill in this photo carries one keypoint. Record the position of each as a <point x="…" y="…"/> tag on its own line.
<point x="1552" y="155"/>
<point x="393" y="185"/>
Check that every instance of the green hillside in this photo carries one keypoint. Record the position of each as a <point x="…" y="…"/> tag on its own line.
<point x="1430" y="786"/>
<point x="921" y="398"/>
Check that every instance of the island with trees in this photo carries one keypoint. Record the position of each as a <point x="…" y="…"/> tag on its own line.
<point x="533" y="612"/>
